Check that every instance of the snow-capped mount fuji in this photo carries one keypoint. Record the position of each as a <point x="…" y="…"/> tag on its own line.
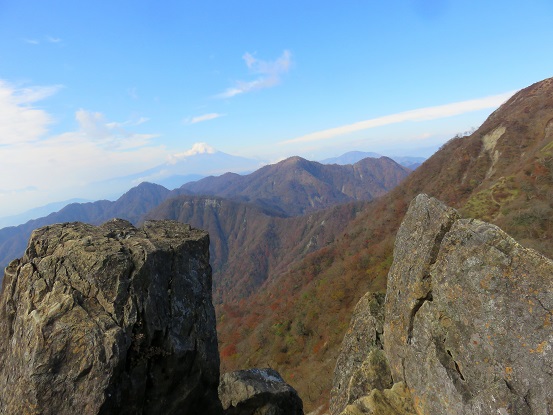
<point x="200" y="161"/>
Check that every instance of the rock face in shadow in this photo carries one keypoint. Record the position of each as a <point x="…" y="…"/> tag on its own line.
<point x="467" y="320"/>
<point x="109" y="319"/>
<point x="258" y="392"/>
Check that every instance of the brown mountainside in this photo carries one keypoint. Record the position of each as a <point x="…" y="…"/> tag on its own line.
<point x="296" y="186"/>
<point x="502" y="173"/>
<point x="248" y="244"/>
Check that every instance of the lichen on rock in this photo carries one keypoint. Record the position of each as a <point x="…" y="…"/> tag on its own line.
<point x="467" y="316"/>
<point x="467" y="323"/>
<point x="109" y="319"/>
<point x="361" y="365"/>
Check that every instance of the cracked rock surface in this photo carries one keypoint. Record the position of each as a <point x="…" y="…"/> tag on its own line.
<point x="109" y="319"/>
<point x="468" y="316"/>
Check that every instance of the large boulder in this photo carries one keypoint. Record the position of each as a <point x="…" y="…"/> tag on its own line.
<point x="109" y="319"/>
<point x="468" y="316"/>
<point x="258" y="392"/>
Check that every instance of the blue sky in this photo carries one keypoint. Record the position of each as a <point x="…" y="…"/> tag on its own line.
<point x="91" y="90"/>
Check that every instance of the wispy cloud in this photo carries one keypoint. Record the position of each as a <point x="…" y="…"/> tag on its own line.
<point x="20" y="122"/>
<point x="11" y="192"/>
<point x="269" y="74"/>
<point x="110" y="135"/>
<point x="421" y="114"/>
<point x="49" y="39"/>
<point x="129" y="123"/>
<point x="202" y="118"/>
<point x="133" y="93"/>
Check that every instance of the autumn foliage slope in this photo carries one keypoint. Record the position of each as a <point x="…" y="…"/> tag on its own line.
<point x="295" y="321"/>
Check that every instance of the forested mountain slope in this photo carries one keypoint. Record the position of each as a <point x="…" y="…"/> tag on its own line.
<point x="248" y="243"/>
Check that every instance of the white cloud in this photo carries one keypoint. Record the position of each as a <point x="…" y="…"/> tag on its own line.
<point x="53" y="39"/>
<point x="421" y="114"/>
<point x="270" y="74"/>
<point x="110" y="135"/>
<point x="20" y="122"/>
<point x="38" y="168"/>
<point x="202" y="118"/>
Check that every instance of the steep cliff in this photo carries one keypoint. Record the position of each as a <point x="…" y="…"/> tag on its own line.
<point x="467" y="321"/>
<point x="109" y="319"/>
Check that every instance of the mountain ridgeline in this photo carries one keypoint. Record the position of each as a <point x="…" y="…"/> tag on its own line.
<point x="131" y="206"/>
<point x="297" y="186"/>
<point x="249" y="244"/>
<point x="301" y="186"/>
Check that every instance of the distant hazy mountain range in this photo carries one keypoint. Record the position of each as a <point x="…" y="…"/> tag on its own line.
<point x="292" y="187"/>
<point x="36" y="212"/>
<point x="354" y="156"/>
<point x="201" y="161"/>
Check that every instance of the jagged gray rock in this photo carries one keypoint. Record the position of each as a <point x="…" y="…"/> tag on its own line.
<point x="361" y="365"/>
<point x="109" y="319"/>
<point x="258" y="392"/>
<point x="409" y="284"/>
<point x="468" y="316"/>
<point x="394" y="401"/>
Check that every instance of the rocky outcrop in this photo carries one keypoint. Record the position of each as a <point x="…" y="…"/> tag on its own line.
<point x="473" y="334"/>
<point x="394" y="401"/>
<point x="258" y="392"/>
<point x="361" y="365"/>
<point x="468" y="320"/>
<point x="109" y="319"/>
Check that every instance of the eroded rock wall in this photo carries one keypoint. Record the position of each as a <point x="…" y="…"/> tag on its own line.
<point x="109" y="319"/>
<point x="472" y="334"/>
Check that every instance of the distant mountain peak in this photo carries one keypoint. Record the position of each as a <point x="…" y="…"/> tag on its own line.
<point x="197" y="148"/>
<point x="294" y="160"/>
<point x="353" y="157"/>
